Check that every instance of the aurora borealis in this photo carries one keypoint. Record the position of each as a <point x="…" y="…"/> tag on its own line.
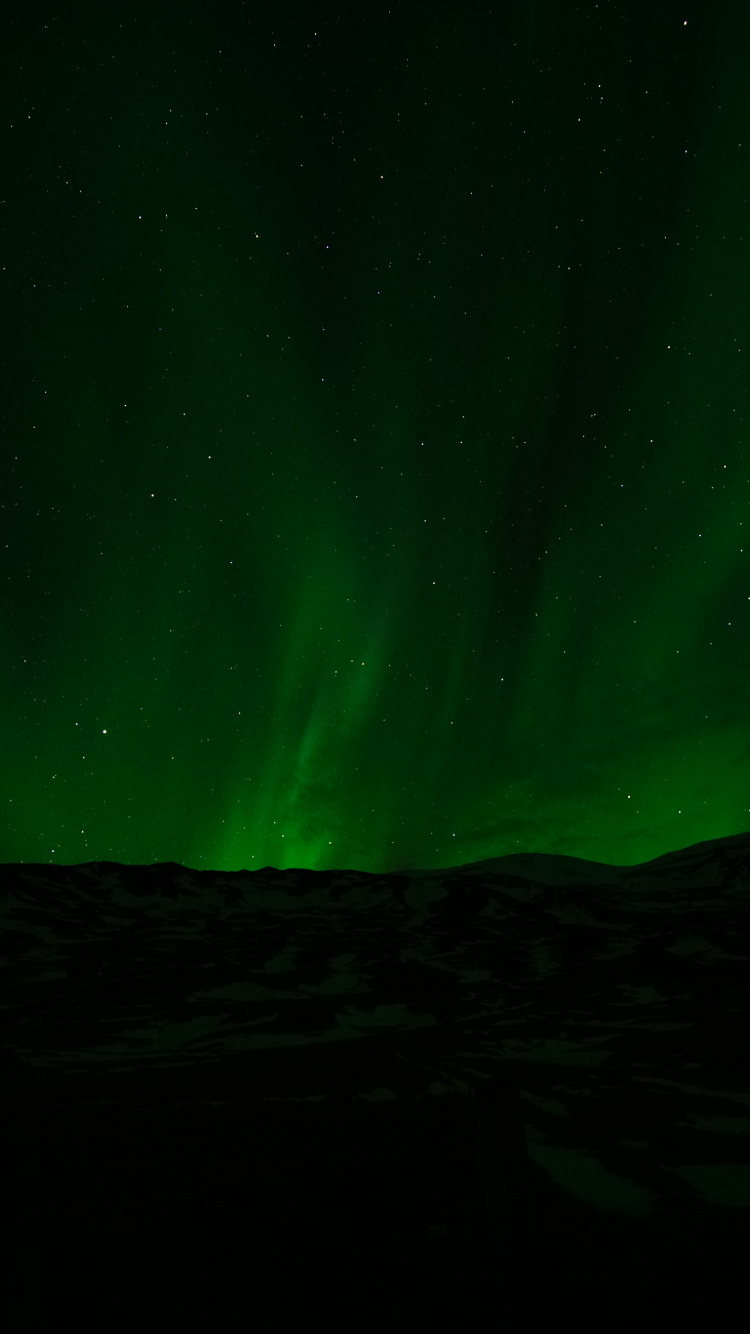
<point x="375" y="474"/>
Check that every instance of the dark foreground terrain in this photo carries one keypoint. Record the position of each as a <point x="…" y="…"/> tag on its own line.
<point x="512" y="1092"/>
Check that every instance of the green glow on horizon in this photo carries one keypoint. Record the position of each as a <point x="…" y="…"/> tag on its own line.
<point x="388" y="510"/>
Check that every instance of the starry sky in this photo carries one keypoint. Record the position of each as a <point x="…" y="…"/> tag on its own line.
<point x="375" y="481"/>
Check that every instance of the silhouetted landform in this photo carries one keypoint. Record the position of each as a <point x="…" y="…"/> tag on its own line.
<point x="431" y="1086"/>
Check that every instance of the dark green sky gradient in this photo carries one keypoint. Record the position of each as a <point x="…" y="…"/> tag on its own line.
<point x="375" y="476"/>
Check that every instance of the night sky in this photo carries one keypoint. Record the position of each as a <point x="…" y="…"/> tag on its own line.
<point x="374" y="478"/>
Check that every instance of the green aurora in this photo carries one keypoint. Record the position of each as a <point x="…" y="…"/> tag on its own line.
<point x="375" y="473"/>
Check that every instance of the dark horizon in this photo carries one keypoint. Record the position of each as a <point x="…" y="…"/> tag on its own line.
<point x="489" y="862"/>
